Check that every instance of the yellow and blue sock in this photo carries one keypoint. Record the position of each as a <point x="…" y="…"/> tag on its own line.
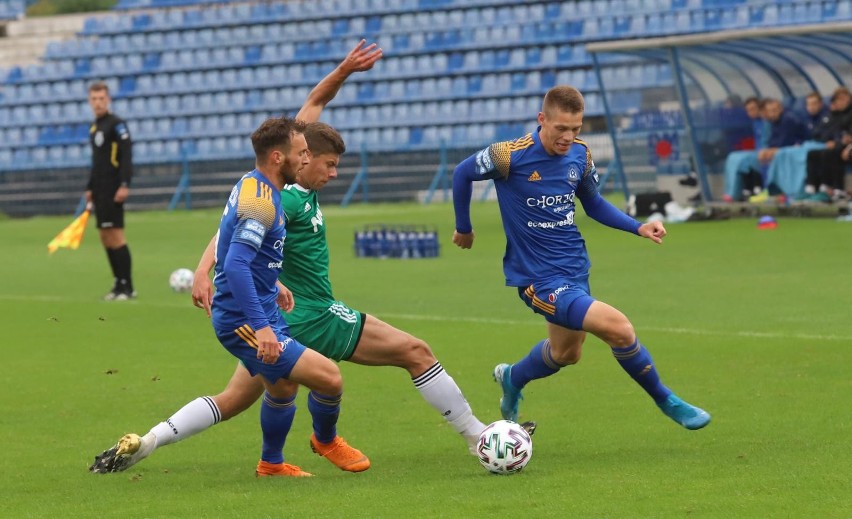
<point x="324" y="410"/>
<point x="276" y="418"/>
<point x="637" y="362"/>
<point x="538" y="363"/>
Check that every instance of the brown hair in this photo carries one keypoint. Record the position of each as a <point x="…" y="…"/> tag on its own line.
<point x="839" y="91"/>
<point x="563" y="98"/>
<point x="274" y="133"/>
<point x="323" y="139"/>
<point x="815" y="95"/>
<point x="99" y="86"/>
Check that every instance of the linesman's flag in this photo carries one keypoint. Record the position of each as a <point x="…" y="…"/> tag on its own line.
<point x="70" y="236"/>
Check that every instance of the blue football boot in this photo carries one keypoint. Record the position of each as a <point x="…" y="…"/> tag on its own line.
<point x="511" y="395"/>
<point x="683" y="413"/>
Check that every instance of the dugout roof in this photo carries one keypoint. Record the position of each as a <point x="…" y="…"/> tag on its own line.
<point x="781" y="62"/>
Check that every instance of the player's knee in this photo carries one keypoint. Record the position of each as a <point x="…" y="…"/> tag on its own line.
<point x="621" y="334"/>
<point x="418" y="356"/>
<point x="283" y="389"/>
<point x="568" y="354"/>
<point x="568" y="358"/>
<point x="329" y="382"/>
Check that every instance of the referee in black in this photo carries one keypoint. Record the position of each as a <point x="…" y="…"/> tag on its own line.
<point x="109" y="185"/>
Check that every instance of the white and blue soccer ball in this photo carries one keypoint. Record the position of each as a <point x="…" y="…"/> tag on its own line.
<point x="181" y="280"/>
<point x="504" y="447"/>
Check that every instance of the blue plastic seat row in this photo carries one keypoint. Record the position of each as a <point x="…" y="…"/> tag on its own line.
<point x="40" y="113"/>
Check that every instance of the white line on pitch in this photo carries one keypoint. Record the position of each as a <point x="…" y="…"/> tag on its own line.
<point x="683" y="331"/>
<point x="185" y="303"/>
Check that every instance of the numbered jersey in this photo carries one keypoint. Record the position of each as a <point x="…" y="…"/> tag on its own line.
<point x="305" y="250"/>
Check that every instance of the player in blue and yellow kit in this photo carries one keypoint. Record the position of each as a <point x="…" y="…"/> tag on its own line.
<point x="245" y="308"/>
<point x="538" y="179"/>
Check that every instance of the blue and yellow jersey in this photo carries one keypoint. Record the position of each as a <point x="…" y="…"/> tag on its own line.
<point x="536" y="193"/>
<point x="252" y="217"/>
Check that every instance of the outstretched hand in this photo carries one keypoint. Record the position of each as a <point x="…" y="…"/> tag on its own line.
<point x="361" y="58"/>
<point x="654" y="231"/>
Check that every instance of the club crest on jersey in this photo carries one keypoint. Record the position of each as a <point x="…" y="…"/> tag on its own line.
<point x="99" y="139"/>
<point x="535" y="177"/>
<point x="573" y="176"/>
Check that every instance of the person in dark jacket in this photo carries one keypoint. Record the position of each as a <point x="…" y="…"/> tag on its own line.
<point x="109" y="187"/>
<point x="826" y="169"/>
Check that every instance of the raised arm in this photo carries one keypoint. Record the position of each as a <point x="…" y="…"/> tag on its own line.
<point x="359" y="59"/>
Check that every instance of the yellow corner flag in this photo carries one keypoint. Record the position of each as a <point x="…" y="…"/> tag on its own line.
<point x="70" y="236"/>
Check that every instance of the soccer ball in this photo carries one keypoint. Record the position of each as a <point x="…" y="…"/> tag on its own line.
<point x="181" y="280"/>
<point x="504" y="447"/>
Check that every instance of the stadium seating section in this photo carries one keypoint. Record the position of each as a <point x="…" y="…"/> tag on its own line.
<point x="194" y="78"/>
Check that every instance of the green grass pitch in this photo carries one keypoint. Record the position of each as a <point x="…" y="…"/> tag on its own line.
<point x="755" y="326"/>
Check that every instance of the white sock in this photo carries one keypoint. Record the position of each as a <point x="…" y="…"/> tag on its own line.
<point x="196" y="416"/>
<point x="440" y="390"/>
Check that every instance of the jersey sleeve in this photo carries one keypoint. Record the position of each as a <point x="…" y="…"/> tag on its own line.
<point x="255" y="213"/>
<point x="125" y="152"/>
<point x="493" y="161"/>
<point x="489" y="163"/>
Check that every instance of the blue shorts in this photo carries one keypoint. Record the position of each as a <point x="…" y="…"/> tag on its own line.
<point x="561" y="301"/>
<point x="241" y="343"/>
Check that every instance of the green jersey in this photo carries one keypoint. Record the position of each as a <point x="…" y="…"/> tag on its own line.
<point x="305" y="266"/>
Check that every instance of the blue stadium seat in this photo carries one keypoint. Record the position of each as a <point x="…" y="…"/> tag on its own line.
<point x="74" y="154"/>
<point x="145" y="84"/>
<point x="22" y="156"/>
<point x="156" y="150"/>
<point x="5" y="158"/>
<point x="38" y="156"/>
<point x="179" y="126"/>
<point x="55" y="155"/>
<point x="171" y="149"/>
<point x="356" y="116"/>
<point x="144" y="128"/>
<point x="13" y="136"/>
<point x="5" y="118"/>
<point x="140" y="152"/>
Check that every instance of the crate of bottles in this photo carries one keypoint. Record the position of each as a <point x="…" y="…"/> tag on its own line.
<point x="396" y="241"/>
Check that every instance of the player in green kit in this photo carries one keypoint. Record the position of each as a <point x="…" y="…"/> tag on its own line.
<point x="317" y="320"/>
